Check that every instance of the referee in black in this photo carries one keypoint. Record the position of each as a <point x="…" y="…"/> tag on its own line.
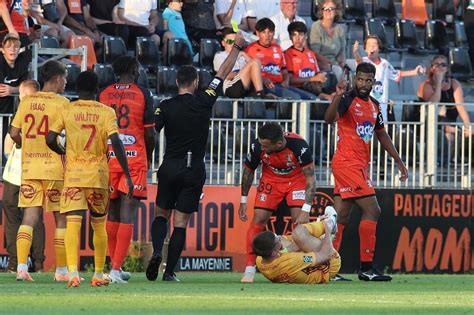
<point x="182" y="174"/>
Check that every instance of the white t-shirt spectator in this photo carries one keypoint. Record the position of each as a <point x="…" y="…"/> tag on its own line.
<point x="220" y="56"/>
<point x="138" y="11"/>
<point x="281" y="29"/>
<point x="222" y="6"/>
<point x="383" y="72"/>
<point x="262" y="8"/>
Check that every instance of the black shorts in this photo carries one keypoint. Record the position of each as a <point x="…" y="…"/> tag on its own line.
<point x="235" y="88"/>
<point x="180" y="187"/>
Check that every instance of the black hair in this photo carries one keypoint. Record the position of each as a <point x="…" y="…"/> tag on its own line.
<point x="87" y="81"/>
<point x="365" y="67"/>
<point x="263" y="244"/>
<point x="264" y="24"/>
<point x="226" y="31"/>
<point x="52" y="69"/>
<point x="186" y="76"/>
<point x="271" y="131"/>
<point x="297" y="26"/>
<point x="125" y="65"/>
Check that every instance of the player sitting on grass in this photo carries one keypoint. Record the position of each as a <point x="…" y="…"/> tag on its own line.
<point x="88" y="124"/>
<point x="307" y="256"/>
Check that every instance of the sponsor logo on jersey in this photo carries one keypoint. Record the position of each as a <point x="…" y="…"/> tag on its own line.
<point x="121" y="87"/>
<point x="271" y="68"/>
<point x="53" y="195"/>
<point x="95" y="199"/>
<point x="71" y="193"/>
<point x="306" y="73"/>
<point x="27" y="191"/>
<point x="365" y="131"/>
<point x="262" y="197"/>
<point x="214" y="83"/>
<point x="298" y="195"/>
<point x="308" y="259"/>
<point x="345" y="189"/>
<point x="127" y="139"/>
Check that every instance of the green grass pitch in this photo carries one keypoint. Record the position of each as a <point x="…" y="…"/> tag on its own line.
<point x="221" y="293"/>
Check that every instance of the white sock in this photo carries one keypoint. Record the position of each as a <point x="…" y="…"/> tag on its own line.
<point x="73" y="274"/>
<point x="22" y="267"/>
<point x="250" y="269"/>
<point x="61" y="270"/>
<point x="98" y="275"/>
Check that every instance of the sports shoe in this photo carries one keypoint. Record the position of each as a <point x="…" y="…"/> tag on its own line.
<point x="249" y="274"/>
<point x="170" y="277"/>
<point x="125" y="275"/>
<point x="59" y="277"/>
<point x="338" y="277"/>
<point x="116" y="277"/>
<point x="74" y="282"/>
<point x="23" y="275"/>
<point x="153" y="266"/>
<point x="373" y="275"/>
<point x="99" y="282"/>
<point x="331" y="214"/>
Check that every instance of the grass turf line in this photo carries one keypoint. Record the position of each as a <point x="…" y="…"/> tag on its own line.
<point x="221" y="293"/>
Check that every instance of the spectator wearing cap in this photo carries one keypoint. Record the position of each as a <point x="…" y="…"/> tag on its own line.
<point x="259" y="9"/>
<point x="80" y="21"/>
<point x="282" y="19"/>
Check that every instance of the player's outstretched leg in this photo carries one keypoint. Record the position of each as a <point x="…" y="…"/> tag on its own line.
<point x="250" y="269"/>
<point x="100" y="250"/>
<point x="159" y="231"/>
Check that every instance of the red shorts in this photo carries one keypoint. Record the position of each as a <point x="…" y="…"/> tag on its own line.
<point x="118" y="184"/>
<point x="271" y="194"/>
<point x="352" y="182"/>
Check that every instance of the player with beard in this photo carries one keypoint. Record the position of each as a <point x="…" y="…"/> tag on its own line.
<point x="358" y="116"/>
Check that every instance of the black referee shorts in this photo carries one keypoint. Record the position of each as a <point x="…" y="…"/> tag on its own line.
<point x="180" y="187"/>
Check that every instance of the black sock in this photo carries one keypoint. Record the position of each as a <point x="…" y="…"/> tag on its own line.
<point x="365" y="266"/>
<point x="175" y="248"/>
<point x="259" y="93"/>
<point x="159" y="230"/>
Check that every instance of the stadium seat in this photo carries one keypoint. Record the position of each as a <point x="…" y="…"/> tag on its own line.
<point x="222" y="109"/>
<point x="283" y="110"/>
<point x="330" y="85"/>
<point x="415" y="10"/>
<point x="354" y="10"/>
<point x="49" y="42"/>
<point x="436" y="37"/>
<point x="444" y="10"/>
<point x="460" y="64"/>
<point x="147" y="52"/>
<point x="166" y="80"/>
<point x="385" y="11"/>
<point x="314" y="11"/>
<point x="207" y="50"/>
<point x="178" y="53"/>
<point x="73" y="70"/>
<point x="317" y="111"/>
<point x="112" y="48"/>
<point x="205" y="77"/>
<point x="143" y="78"/>
<point x="106" y="74"/>
<point x="79" y="41"/>
<point x="376" y="27"/>
<point x="460" y="38"/>
<point x="407" y="37"/>
<point x="255" y="110"/>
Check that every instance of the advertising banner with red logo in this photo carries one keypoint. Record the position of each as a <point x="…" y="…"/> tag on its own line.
<point x="418" y="231"/>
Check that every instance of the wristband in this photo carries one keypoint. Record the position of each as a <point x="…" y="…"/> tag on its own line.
<point x="238" y="47"/>
<point x="306" y="208"/>
<point x="243" y="199"/>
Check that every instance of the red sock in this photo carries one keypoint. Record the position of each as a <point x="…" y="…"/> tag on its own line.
<point x="124" y="237"/>
<point x="367" y="230"/>
<point x="337" y="241"/>
<point x="253" y="230"/>
<point x="112" y="229"/>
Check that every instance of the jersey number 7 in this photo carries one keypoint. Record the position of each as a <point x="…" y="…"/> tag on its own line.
<point x="91" y="136"/>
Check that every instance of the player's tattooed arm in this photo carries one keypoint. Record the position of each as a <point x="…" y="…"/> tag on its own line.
<point x="310" y="184"/>
<point x="247" y="179"/>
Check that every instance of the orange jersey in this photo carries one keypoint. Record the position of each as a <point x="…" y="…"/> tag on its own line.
<point x="301" y="64"/>
<point x="34" y="116"/>
<point x="133" y="106"/>
<point x="88" y="125"/>
<point x="271" y="58"/>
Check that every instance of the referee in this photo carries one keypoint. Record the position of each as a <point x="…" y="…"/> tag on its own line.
<point x="182" y="174"/>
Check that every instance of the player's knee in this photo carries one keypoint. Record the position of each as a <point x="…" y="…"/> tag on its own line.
<point x="299" y="233"/>
<point x="159" y="212"/>
<point x="343" y="218"/>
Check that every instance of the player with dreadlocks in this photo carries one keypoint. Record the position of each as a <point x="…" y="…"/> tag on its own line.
<point x="133" y="106"/>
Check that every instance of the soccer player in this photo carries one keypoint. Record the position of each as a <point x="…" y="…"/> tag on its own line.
<point x="133" y="106"/>
<point x="305" y="256"/>
<point x="41" y="170"/>
<point x="358" y="115"/>
<point x="287" y="173"/>
<point x="88" y="125"/>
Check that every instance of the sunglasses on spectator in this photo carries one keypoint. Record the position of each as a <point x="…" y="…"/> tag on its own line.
<point x="329" y="9"/>
<point x="229" y="41"/>
<point x="439" y="65"/>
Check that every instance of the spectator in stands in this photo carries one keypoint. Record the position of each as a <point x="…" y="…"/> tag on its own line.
<point x="142" y="20"/>
<point x="80" y="21"/>
<point x="50" y="15"/>
<point x="384" y="70"/>
<point x="259" y="9"/>
<point x="275" y="75"/>
<point x="439" y="87"/>
<point x="11" y="189"/>
<point x="282" y="19"/>
<point x="227" y="10"/>
<point x="105" y="15"/>
<point x="469" y="25"/>
<point x="328" y="40"/>
<point x="173" y="22"/>
<point x="198" y="16"/>
<point x="302" y="64"/>
<point x="246" y="75"/>
<point x="13" y="20"/>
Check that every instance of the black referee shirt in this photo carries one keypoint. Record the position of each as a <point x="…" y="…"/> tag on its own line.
<point x="186" y="119"/>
